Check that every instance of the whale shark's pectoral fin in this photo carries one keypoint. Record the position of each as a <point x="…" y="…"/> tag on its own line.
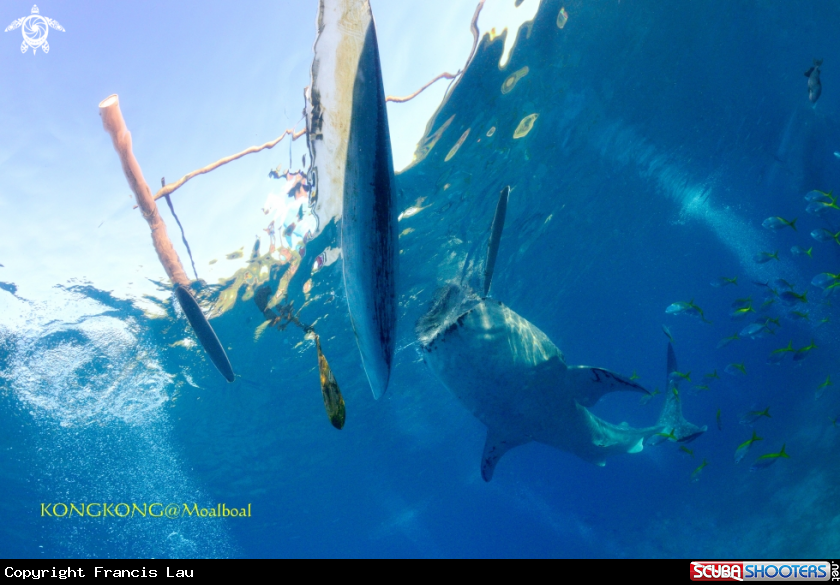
<point x="495" y="446"/>
<point x="588" y="384"/>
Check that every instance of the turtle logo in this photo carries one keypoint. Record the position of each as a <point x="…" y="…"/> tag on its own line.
<point x="35" y="28"/>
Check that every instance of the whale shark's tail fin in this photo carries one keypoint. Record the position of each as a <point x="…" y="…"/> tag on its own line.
<point x="672" y="425"/>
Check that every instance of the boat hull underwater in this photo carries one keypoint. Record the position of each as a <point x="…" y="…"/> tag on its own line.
<point x="353" y="174"/>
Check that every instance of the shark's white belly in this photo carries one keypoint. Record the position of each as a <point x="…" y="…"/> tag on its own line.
<point x="505" y="370"/>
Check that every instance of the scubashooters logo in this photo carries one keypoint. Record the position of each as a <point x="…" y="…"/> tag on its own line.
<point x="764" y="571"/>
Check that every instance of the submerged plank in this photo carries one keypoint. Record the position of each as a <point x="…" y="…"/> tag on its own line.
<point x="209" y="341"/>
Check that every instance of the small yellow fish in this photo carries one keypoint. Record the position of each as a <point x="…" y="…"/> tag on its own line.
<point x="777" y="223"/>
<point x="803" y="352"/>
<point x="763" y="257"/>
<point x="767" y="303"/>
<point x="695" y="475"/>
<point x="744" y="447"/>
<point x="647" y="397"/>
<point x="769" y="459"/>
<point x="669" y="435"/>
<point x="755" y="415"/>
<point x="784" y="349"/>
<point x="736" y="369"/>
<point x="742" y="312"/>
<point x="821" y="388"/>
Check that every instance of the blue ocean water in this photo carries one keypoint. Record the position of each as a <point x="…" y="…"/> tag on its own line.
<point x="663" y="138"/>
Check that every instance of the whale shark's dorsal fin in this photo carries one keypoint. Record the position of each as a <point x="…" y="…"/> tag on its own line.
<point x="588" y="385"/>
<point x="495" y="238"/>
<point x="495" y="446"/>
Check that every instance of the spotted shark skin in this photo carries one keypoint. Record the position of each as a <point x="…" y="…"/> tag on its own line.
<point x="511" y="376"/>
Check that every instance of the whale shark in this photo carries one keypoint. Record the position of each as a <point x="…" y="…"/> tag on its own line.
<point x="515" y="380"/>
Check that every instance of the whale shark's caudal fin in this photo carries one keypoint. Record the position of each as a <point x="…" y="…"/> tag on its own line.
<point x="590" y="384"/>
<point x="671" y="420"/>
<point x="495" y="446"/>
<point x="495" y="238"/>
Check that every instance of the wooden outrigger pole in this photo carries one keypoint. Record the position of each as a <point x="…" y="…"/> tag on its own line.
<point x="112" y="120"/>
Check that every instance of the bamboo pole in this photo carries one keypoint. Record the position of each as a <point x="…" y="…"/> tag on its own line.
<point x="114" y="124"/>
<point x="168" y="189"/>
<point x="112" y="120"/>
<point x="458" y="75"/>
<point x="402" y="100"/>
